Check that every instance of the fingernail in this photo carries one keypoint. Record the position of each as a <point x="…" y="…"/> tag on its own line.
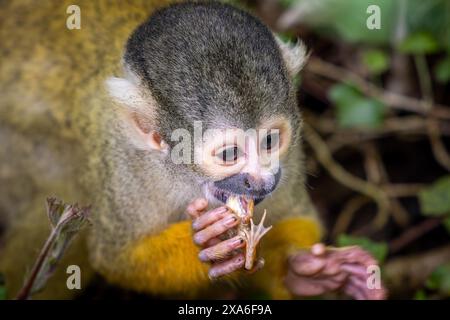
<point x="230" y="221"/>
<point x="201" y="203"/>
<point x="195" y="225"/>
<point x="203" y="256"/>
<point x="221" y="209"/>
<point x="212" y="274"/>
<point x="238" y="241"/>
<point x="198" y="239"/>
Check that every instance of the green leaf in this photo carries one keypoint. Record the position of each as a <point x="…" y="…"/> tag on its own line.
<point x="2" y="288"/>
<point x="343" y="94"/>
<point x="260" y="295"/>
<point x="419" y="43"/>
<point x="378" y="249"/>
<point x="287" y="37"/>
<point x="297" y="80"/>
<point x="347" y="20"/>
<point x="435" y="200"/>
<point x="447" y="224"/>
<point x="363" y="113"/>
<point x="2" y="293"/>
<point x="355" y="110"/>
<point x="440" y="280"/>
<point x="442" y="70"/>
<point x="376" y="61"/>
<point x="288" y="3"/>
<point x="420" y="295"/>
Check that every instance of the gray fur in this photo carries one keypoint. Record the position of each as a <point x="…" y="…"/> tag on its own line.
<point x="210" y="62"/>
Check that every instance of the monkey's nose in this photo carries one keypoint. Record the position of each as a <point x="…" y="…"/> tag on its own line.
<point x="246" y="184"/>
<point x="256" y="186"/>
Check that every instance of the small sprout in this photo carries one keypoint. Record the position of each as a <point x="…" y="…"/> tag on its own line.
<point x="66" y="221"/>
<point x="435" y="199"/>
<point x="2" y="287"/>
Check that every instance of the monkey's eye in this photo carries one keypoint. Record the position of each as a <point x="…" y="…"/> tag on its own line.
<point x="270" y="142"/>
<point x="229" y="155"/>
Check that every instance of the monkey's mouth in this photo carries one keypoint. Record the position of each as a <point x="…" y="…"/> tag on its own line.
<point x="222" y="195"/>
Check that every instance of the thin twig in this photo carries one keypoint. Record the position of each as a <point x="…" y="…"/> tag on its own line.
<point x="66" y="221"/>
<point x="25" y="291"/>
<point x="406" y="274"/>
<point x="439" y="151"/>
<point x="401" y="126"/>
<point x="393" y="100"/>
<point x="424" y="79"/>
<point x="345" y="217"/>
<point x="344" y="177"/>
<point x="411" y="124"/>
<point x="399" y="190"/>
<point x="377" y="174"/>
<point x="413" y="234"/>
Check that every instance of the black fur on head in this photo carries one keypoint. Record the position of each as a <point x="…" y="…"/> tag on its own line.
<point x="210" y="62"/>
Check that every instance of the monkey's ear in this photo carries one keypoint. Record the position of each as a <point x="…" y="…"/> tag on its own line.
<point x="294" y="55"/>
<point x="137" y="108"/>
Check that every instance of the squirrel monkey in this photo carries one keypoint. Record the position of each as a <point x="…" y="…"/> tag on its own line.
<point x="80" y="126"/>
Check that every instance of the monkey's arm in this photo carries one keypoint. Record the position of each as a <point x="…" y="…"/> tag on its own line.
<point x="286" y="237"/>
<point x="165" y="263"/>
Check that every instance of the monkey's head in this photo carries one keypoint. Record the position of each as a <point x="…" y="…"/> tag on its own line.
<point x="209" y="88"/>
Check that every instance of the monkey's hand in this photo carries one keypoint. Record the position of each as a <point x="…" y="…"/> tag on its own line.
<point x="322" y="270"/>
<point x="209" y="229"/>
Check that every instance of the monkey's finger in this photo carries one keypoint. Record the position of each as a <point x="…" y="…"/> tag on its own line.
<point x="305" y="264"/>
<point x="337" y="279"/>
<point x="358" y="282"/>
<point x="368" y="292"/>
<point x="216" y="229"/>
<point x="212" y="242"/>
<point x="318" y="249"/>
<point x="221" y="250"/>
<point x="377" y="294"/>
<point x="354" y="292"/>
<point x="336" y="264"/>
<point x="355" y="269"/>
<point x="341" y="277"/>
<point x="196" y="207"/>
<point x="259" y="264"/>
<point x="305" y="286"/>
<point x="209" y="217"/>
<point x="360" y="285"/>
<point x="332" y="267"/>
<point x="356" y="255"/>
<point x="226" y="267"/>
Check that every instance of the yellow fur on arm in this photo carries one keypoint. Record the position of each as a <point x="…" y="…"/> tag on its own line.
<point x="166" y="263"/>
<point x="286" y="237"/>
